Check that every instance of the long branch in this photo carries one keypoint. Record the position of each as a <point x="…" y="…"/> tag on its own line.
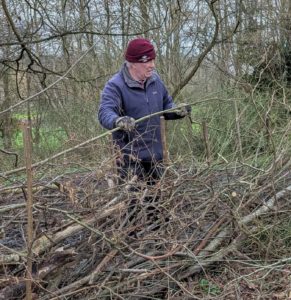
<point x="103" y="135"/>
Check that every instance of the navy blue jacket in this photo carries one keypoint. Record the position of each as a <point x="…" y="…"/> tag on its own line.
<point x="123" y="96"/>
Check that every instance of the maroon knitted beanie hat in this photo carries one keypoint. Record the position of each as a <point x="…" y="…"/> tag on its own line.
<point x="140" y="51"/>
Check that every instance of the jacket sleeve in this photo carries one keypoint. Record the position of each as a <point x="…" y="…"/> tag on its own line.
<point x="110" y="106"/>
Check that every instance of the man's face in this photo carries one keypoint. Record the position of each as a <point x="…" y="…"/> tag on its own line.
<point x="144" y="70"/>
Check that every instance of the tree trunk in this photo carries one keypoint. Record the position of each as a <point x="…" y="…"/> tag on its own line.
<point x="7" y="123"/>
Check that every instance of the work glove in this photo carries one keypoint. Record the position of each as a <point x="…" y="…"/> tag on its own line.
<point x="125" y="123"/>
<point x="184" y="111"/>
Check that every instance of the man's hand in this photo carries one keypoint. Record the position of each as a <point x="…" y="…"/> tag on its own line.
<point x="184" y="111"/>
<point x="125" y="123"/>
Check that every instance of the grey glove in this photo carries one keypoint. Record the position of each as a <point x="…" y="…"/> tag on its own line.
<point x="125" y="123"/>
<point x="184" y="111"/>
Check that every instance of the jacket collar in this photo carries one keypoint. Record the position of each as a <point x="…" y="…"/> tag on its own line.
<point x="133" y="83"/>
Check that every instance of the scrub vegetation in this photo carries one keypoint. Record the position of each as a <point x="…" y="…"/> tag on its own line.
<point x="221" y="227"/>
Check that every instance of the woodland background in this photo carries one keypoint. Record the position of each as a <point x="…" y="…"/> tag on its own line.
<point x="231" y="60"/>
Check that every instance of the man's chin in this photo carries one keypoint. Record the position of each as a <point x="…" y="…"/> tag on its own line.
<point x="149" y="74"/>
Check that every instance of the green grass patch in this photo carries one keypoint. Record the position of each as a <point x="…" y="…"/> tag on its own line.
<point x="23" y="116"/>
<point x="49" y="140"/>
<point x="196" y="128"/>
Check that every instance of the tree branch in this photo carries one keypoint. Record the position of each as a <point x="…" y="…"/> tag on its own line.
<point x="184" y="82"/>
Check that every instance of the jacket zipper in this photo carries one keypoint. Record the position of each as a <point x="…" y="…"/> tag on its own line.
<point x="147" y="99"/>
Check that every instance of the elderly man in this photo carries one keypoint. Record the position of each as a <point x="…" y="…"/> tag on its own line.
<point x="134" y="92"/>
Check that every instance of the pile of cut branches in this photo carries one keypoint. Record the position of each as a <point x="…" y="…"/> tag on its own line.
<point x="94" y="239"/>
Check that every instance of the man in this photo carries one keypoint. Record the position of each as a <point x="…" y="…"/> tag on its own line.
<point x="134" y="92"/>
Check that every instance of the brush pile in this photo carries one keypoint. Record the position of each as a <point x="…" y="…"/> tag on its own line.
<point x="94" y="239"/>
